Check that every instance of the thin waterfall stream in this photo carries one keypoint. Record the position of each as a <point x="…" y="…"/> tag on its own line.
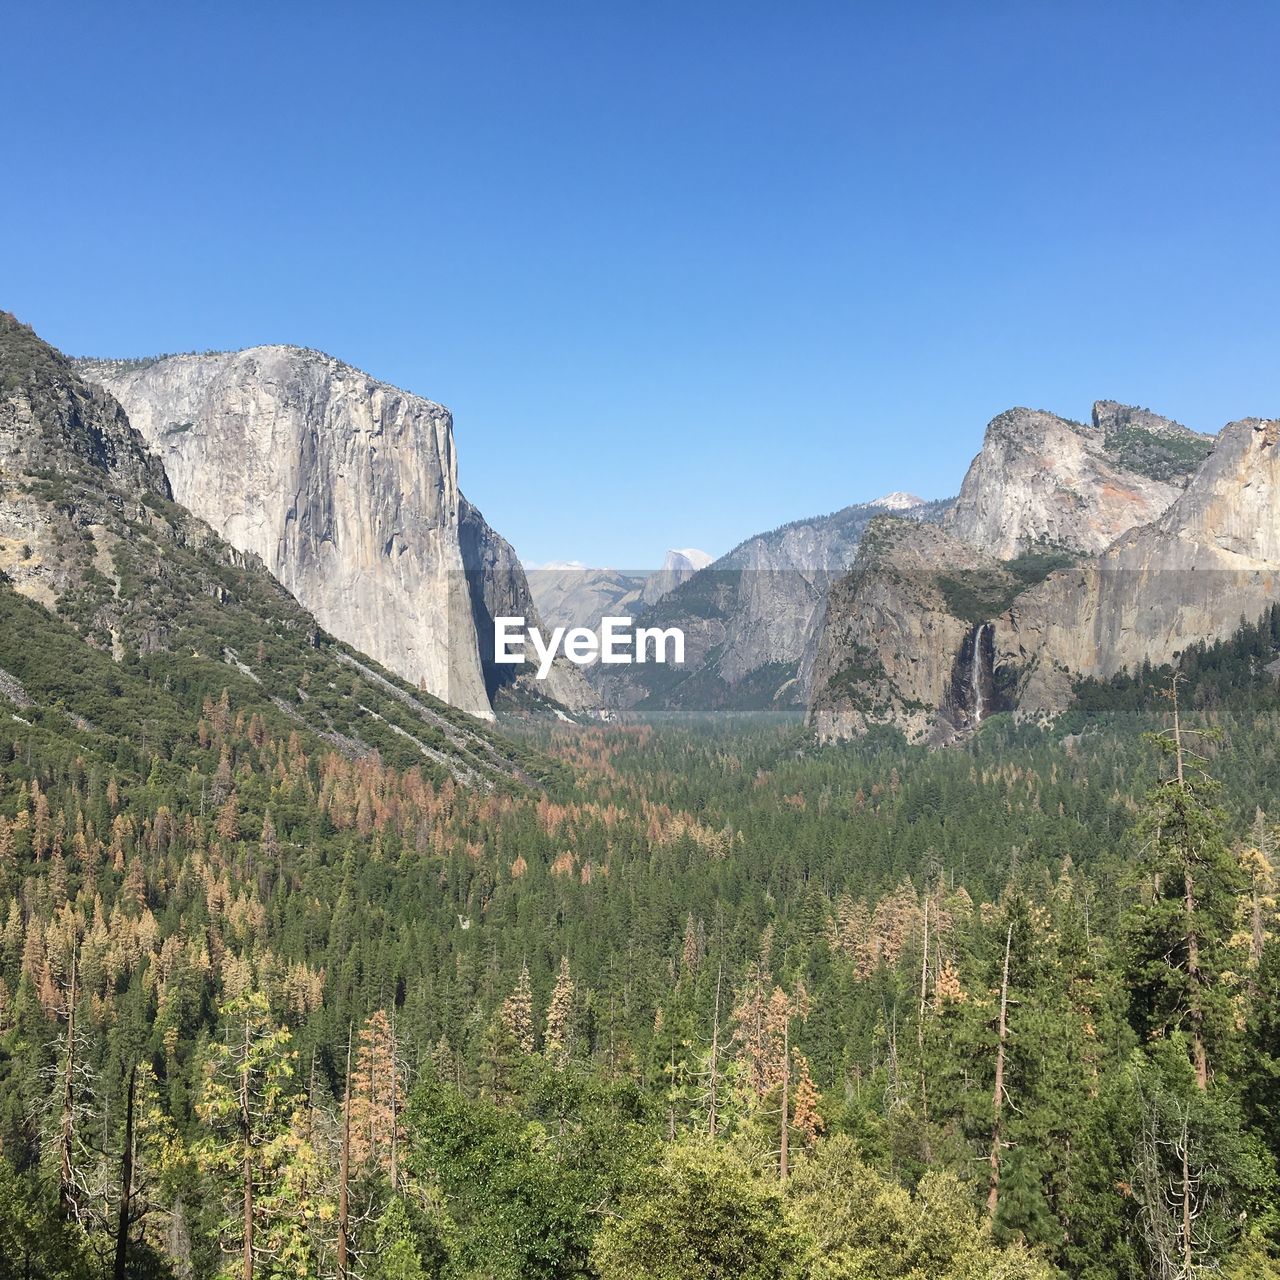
<point x="975" y="675"/>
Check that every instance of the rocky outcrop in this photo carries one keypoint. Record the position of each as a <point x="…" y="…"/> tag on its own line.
<point x="905" y="641"/>
<point x="346" y="487"/>
<point x="1146" y="443"/>
<point x="1042" y="482"/>
<point x="752" y="618"/>
<point x="69" y="462"/>
<point x="930" y="634"/>
<point x="677" y="566"/>
<point x="1209" y="562"/>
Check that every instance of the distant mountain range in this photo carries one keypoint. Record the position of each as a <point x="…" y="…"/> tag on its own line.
<point x="568" y="593"/>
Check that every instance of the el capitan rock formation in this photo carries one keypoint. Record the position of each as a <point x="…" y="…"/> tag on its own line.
<point x="345" y="486"/>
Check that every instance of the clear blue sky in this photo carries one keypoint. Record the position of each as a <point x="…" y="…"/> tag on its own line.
<point x="682" y="271"/>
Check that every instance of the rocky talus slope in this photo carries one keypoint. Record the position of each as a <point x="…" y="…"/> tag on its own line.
<point x="344" y="486"/>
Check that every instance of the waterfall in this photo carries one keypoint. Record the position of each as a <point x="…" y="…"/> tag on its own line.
<point x="975" y="675"/>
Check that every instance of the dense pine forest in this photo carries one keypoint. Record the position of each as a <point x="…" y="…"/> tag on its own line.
<point x="669" y="1001"/>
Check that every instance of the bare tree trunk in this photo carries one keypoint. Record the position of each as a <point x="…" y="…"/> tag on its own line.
<point x="246" y="1133"/>
<point x="344" y="1174"/>
<point x="924" y="975"/>
<point x="1177" y="727"/>
<point x="395" y="1118"/>
<point x="1196" y="1012"/>
<point x="924" y="984"/>
<point x="126" y="1184"/>
<point x="66" y="1141"/>
<point x="784" y="1166"/>
<point x="1199" y="1054"/>
<point x="713" y="1100"/>
<point x="1188" y="1268"/>
<point x="997" y="1096"/>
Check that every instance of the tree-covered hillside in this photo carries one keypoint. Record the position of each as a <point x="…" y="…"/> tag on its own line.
<point x="713" y="1002"/>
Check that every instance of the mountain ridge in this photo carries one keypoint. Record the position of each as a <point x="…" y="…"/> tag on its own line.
<point x="1028" y="627"/>
<point x="90" y="535"/>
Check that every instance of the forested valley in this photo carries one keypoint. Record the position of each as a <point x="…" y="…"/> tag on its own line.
<point x="699" y="1001"/>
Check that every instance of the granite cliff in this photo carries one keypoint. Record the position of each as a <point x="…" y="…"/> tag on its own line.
<point x="89" y="531"/>
<point x="752" y="618"/>
<point x="1209" y="562"/>
<point x="933" y="633"/>
<point x="1044" y="482"/>
<point x="904" y="641"/>
<point x="498" y="587"/>
<point x="678" y="565"/>
<point x="346" y="487"/>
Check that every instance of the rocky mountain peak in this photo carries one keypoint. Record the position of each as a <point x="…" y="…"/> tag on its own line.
<point x="897" y="501"/>
<point x="60" y="423"/>
<point x="679" y="565"/>
<point x="685" y="558"/>
<point x="1045" y="482"/>
<point x="1148" y="444"/>
<point x="1209" y="562"/>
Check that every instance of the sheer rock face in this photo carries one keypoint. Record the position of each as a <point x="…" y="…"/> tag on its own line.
<point x="897" y="647"/>
<point x="752" y="619"/>
<point x="1211" y="561"/>
<point x="782" y="591"/>
<point x="786" y="578"/>
<point x="1043" y="482"/>
<point x="931" y="634"/>
<point x="344" y="486"/>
